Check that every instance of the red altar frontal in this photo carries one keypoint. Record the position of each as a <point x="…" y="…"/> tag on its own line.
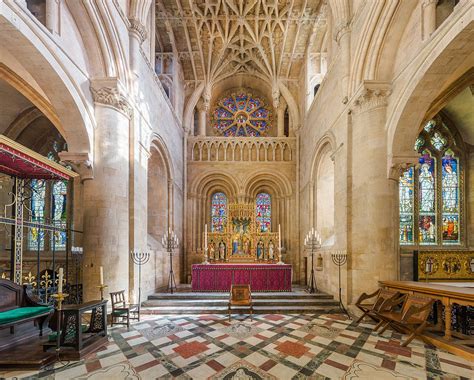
<point x="261" y="277"/>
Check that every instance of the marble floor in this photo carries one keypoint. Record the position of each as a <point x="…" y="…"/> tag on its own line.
<point x="326" y="346"/>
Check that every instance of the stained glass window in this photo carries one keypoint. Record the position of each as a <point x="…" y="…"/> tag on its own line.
<point x="218" y="212"/>
<point x="241" y="114"/>
<point x="263" y="212"/>
<point x="438" y="141"/>
<point x="437" y="217"/>
<point x="427" y="191"/>
<point x="450" y="190"/>
<point x="59" y="215"/>
<point x="406" y="190"/>
<point x="38" y="196"/>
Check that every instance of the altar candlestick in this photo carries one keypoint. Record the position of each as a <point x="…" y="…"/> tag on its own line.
<point x="60" y="281"/>
<point x="205" y="236"/>
<point x="101" y="269"/>
<point x="279" y="236"/>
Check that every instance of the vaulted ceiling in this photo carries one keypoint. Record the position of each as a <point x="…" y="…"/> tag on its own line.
<point x="216" y="39"/>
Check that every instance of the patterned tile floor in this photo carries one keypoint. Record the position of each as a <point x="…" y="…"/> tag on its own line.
<point x="270" y="347"/>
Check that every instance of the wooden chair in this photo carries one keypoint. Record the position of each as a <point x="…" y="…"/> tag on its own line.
<point x="122" y="312"/>
<point x="412" y="318"/>
<point x="240" y="296"/>
<point x="369" y="304"/>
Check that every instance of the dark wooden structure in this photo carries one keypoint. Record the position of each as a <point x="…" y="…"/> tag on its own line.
<point x="83" y="329"/>
<point x="123" y="312"/>
<point x="15" y="297"/>
<point x="240" y="297"/>
<point x="27" y="319"/>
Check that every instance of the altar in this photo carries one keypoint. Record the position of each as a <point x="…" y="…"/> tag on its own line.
<point x="261" y="277"/>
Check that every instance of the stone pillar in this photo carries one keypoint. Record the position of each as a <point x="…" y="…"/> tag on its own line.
<point x="106" y="197"/>
<point x="202" y="114"/>
<point x="429" y="17"/>
<point x="281" y="117"/>
<point x="373" y="237"/>
<point x="52" y="16"/>
<point x="343" y="38"/>
<point x="137" y="34"/>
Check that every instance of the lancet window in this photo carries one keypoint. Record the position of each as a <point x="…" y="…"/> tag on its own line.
<point x="218" y="212"/>
<point x="263" y="205"/>
<point x="431" y="193"/>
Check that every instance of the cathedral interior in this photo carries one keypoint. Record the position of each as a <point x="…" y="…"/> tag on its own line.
<point x="171" y="150"/>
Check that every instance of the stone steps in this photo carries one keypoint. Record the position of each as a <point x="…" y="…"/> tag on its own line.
<point x="165" y="310"/>
<point x="296" y="302"/>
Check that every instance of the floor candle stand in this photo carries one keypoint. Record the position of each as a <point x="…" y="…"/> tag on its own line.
<point x="170" y="241"/>
<point x="339" y="258"/>
<point x="312" y="241"/>
<point x="139" y="259"/>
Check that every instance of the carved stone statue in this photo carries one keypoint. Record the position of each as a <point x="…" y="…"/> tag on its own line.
<point x="212" y="251"/>
<point x="222" y="250"/>
<point x="271" y="249"/>
<point x="260" y="248"/>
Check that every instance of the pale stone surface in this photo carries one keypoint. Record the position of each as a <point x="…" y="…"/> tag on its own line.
<point x="382" y="68"/>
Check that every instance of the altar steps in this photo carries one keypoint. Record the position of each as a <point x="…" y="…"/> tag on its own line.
<point x="297" y="302"/>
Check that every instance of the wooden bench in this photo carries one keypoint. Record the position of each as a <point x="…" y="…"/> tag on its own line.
<point x="19" y="306"/>
<point x="412" y="318"/>
<point x="370" y="304"/>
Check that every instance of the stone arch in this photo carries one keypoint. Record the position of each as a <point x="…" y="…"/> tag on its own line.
<point x="427" y="78"/>
<point x="65" y="105"/>
<point x="22" y="121"/>
<point x="322" y="175"/>
<point x="214" y="181"/>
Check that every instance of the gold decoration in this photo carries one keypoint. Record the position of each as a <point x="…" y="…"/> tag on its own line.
<point x="30" y="279"/>
<point x="240" y="241"/>
<point x="445" y="266"/>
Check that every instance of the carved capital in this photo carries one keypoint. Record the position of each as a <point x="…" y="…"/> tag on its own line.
<point x="397" y="164"/>
<point x="110" y="93"/>
<point x="138" y="29"/>
<point x="340" y="30"/>
<point x="370" y="95"/>
<point x="80" y="162"/>
<point x="428" y="3"/>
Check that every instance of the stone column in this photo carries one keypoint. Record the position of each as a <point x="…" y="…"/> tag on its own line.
<point x="202" y="119"/>
<point x="343" y="38"/>
<point x="52" y="16"/>
<point x="429" y="17"/>
<point x="137" y="34"/>
<point x="106" y="197"/>
<point x="281" y="117"/>
<point x="373" y="218"/>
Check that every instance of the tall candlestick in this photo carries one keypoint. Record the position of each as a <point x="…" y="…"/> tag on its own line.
<point x="205" y="236"/>
<point x="279" y="236"/>
<point x="60" y="280"/>
<point x="101" y="275"/>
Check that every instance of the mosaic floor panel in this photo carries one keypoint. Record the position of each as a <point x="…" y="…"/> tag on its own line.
<point x="270" y="347"/>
